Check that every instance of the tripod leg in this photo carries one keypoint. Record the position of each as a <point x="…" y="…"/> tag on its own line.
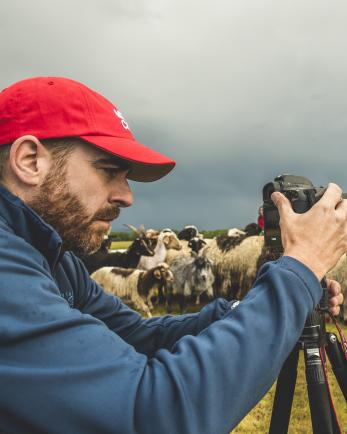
<point x="284" y="394"/>
<point x="323" y="420"/>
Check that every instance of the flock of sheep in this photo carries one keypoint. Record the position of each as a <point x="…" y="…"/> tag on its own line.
<point x="164" y="267"/>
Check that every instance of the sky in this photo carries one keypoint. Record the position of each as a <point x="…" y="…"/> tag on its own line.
<point x="236" y="91"/>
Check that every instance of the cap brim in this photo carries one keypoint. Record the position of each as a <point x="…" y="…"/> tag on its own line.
<point x="145" y="164"/>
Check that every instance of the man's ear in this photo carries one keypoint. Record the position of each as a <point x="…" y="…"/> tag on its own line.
<point x="29" y="161"/>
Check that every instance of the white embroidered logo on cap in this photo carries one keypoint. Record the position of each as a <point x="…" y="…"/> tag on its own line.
<point x="120" y="116"/>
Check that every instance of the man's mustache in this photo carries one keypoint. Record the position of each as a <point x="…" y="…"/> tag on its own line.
<point x="107" y="214"/>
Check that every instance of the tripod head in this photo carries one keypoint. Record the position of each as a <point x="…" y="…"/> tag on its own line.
<point x="314" y="331"/>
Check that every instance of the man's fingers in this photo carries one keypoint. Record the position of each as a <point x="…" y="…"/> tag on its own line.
<point x="337" y="300"/>
<point x="335" y="311"/>
<point x="334" y="287"/>
<point x="332" y="196"/>
<point x="335" y="296"/>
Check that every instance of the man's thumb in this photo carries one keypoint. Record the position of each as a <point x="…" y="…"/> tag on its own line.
<point x="281" y="202"/>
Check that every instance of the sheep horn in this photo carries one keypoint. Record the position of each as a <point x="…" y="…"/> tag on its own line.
<point x="142" y="229"/>
<point x="132" y="228"/>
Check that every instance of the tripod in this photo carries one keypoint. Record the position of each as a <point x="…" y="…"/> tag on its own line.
<point x="313" y="341"/>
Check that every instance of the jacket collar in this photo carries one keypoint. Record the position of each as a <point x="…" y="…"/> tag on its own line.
<point x="27" y="224"/>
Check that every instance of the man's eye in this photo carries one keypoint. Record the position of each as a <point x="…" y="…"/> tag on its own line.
<point x="111" y="171"/>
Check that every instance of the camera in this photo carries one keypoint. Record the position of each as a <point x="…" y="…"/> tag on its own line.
<point x="301" y="193"/>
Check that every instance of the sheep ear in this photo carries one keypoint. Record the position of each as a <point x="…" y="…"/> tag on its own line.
<point x="166" y="239"/>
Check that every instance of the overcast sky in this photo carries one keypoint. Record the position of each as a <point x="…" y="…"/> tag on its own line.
<point x="236" y="91"/>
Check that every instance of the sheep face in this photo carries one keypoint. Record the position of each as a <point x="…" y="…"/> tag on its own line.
<point x="151" y="233"/>
<point x="188" y="233"/>
<point x="145" y="246"/>
<point x="163" y="273"/>
<point x="203" y="276"/>
<point x="171" y="241"/>
<point x="196" y="244"/>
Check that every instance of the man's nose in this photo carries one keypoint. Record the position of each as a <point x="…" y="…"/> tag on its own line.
<point x="122" y="193"/>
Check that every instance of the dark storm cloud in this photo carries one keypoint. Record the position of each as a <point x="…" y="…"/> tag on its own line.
<point x="236" y="92"/>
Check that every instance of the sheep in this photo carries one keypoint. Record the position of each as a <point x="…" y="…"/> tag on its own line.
<point x="196" y="244"/>
<point x="236" y="267"/>
<point x="165" y="240"/>
<point x="185" y="250"/>
<point x="192" y="275"/>
<point x="188" y="232"/>
<point x="141" y="246"/>
<point x="249" y="230"/>
<point x="234" y="232"/>
<point x="253" y="229"/>
<point x="134" y="285"/>
<point x="236" y="262"/>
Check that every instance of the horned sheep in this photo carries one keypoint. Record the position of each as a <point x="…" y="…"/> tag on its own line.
<point x="141" y="246"/>
<point x="134" y="285"/>
<point x="192" y="275"/>
<point x="166" y="240"/>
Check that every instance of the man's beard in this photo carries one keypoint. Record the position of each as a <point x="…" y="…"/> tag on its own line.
<point x="66" y="214"/>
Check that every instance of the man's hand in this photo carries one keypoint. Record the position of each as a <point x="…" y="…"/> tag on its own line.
<point x="335" y="296"/>
<point x="317" y="238"/>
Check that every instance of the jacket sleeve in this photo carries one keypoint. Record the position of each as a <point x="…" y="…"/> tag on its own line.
<point x="63" y="371"/>
<point x="146" y="335"/>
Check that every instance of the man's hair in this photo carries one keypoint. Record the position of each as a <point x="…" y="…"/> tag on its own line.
<point x="60" y="149"/>
<point x="4" y="154"/>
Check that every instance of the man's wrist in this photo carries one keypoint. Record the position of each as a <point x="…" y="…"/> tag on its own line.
<point x="311" y="263"/>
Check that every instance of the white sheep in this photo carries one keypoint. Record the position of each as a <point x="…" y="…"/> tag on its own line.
<point x="235" y="232"/>
<point x="166" y="240"/>
<point x="236" y="268"/>
<point x="235" y="263"/>
<point x="172" y="254"/>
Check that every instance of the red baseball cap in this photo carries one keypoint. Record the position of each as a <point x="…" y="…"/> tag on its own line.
<point x="56" y="107"/>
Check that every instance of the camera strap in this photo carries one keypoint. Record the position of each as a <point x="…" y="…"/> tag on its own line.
<point x="342" y="336"/>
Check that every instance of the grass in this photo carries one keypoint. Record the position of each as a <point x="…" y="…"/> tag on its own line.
<point x="120" y="245"/>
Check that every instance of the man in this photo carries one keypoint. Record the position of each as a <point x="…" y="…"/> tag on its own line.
<point x="76" y="360"/>
<point x="261" y="218"/>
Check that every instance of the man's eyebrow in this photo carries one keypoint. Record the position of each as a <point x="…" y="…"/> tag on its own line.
<point x="112" y="160"/>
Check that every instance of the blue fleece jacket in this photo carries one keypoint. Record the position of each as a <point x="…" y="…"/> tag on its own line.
<point x="74" y="360"/>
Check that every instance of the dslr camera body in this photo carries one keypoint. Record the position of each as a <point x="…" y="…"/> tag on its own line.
<point x="302" y="195"/>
